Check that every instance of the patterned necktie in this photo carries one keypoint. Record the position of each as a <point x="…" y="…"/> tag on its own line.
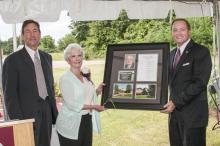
<point x="176" y="59"/>
<point x="41" y="85"/>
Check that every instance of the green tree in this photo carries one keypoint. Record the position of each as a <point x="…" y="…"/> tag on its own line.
<point x="120" y="25"/>
<point x="65" y="41"/>
<point x="102" y="33"/>
<point x="151" y="90"/>
<point x="7" y="46"/>
<point x="80" y="30"/>
<point x="95" y="36"/>
<point x="136" y="31"/>
<point x="116" y="89"/>
<point x="47" y="44"/>
<point x="158" y="31"/>
<point x="128" y="88"/>
<point x="202" y="31"/>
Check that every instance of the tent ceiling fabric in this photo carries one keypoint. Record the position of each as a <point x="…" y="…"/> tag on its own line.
<point x="14" y="11"/>
<point x="101" y="10"/>
<point x="183" y="10"/>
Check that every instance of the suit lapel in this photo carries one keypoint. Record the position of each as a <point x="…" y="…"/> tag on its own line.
<point x="27" y="59"/>
<point x="172" y="55"/>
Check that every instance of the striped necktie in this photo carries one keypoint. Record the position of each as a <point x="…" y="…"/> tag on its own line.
<point x="176" y="59"/>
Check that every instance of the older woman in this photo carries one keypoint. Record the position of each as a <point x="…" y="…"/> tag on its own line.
<point x="79" y="115"/>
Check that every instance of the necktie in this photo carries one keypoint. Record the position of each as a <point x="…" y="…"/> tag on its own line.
<point x="176" y="59"/>
<point x="41" y="85"/>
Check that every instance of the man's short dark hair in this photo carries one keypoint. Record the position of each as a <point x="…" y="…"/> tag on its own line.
<point x="181" y="19"/>
<point x="26" y="22"/>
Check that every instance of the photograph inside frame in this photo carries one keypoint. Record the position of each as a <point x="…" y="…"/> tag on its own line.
<point x="136" y="76"/>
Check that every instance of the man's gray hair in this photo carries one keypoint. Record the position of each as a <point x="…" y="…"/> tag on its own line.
<point x="68" y="50"/>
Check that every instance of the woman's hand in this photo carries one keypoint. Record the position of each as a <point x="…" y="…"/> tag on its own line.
<point x="98" y="108"/>
<point x="99" y="89"/>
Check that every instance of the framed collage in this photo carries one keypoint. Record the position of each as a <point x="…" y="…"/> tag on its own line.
<point x="136" y="76"/>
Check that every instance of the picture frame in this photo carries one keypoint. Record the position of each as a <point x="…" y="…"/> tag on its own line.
<point x="129" y="61"/>
<point x="136" y="76"/>
<point x="125" y="76"/>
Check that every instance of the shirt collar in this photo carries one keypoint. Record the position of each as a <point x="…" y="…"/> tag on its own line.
<point x="182" y="48"/>
<point x="32" y="52"/>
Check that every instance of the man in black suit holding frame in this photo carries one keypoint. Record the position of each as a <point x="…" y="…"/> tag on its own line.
<point x="189" y="73"/>
<point x="28" y="84"/>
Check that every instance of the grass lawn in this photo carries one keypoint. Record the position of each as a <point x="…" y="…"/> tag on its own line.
<point x="57" y="56"/>
<point x="96" y="70"/>
<point x="144" y="96"/>
<point x="122" y="95"/>
<point x="135" y="127"/>
<point x="141" y="128"/>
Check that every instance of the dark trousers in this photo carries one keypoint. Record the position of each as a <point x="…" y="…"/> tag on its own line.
<point x="85" y="134"/>
<point x="180" y="135"/>
<point x="43" y="124"/>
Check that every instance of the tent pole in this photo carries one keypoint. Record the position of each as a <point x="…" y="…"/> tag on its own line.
<point x="218" y="36"/>
<point x="217" y="30"/>
<point x="14" y="37"/>
<point x="171" y="11"/>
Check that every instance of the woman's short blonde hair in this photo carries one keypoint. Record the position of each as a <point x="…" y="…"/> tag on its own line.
<point x="68" y="50"/>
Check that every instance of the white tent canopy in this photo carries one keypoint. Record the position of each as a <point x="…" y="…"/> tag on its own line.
<point x="14" y="11"/>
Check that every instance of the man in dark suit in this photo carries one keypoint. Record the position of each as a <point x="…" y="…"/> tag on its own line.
<point x="23" y="88"/>
<point x="189" y="73"/>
